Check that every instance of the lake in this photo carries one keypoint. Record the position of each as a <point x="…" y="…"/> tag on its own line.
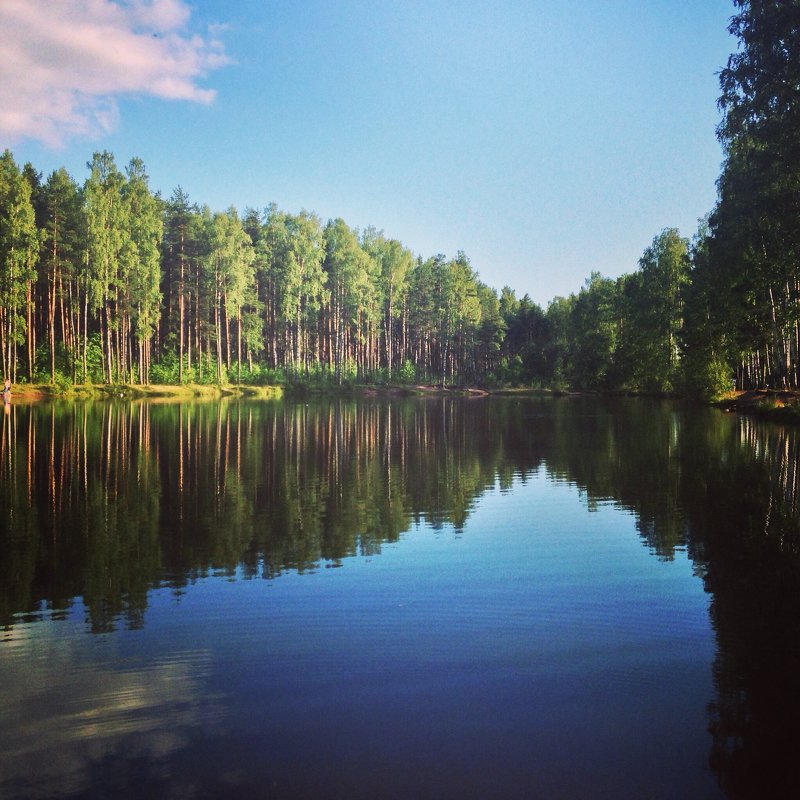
<point x="398" y="598"/>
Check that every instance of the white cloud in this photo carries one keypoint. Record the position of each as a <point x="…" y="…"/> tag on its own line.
<point x="63" y="63"/>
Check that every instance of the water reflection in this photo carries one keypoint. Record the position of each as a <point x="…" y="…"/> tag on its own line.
<point x="747" y="540"/>
<point x="106" y="501"/>
<point x="65" y="718"/>
<point x="102" y="503"/>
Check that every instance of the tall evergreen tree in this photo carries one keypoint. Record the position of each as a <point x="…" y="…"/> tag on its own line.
<point x="143" y="212"/>
<point x="231" y="267"/>
<point x="394" y="265"/>
<point x="303" y="286"/>
<point x="347" y="267"/>
<point x="106" y="239"/>
<point x="62" y="260"/>
<point x="19" y="248"/>
<point x="177" y="251"/>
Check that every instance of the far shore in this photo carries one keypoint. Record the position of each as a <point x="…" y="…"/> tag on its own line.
<point x="42" y="391"/>
<point x="45" y="391"/>
<point x="778" y="405"/>
<point x="774" y="404"/>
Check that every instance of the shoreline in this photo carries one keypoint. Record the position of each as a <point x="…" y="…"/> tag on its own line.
<point x="32" y="392"/>
<point x="37" y="392"/>
<point x="774" y="404"/>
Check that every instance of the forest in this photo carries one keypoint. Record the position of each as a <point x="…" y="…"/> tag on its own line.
<point x="109" y="282"/>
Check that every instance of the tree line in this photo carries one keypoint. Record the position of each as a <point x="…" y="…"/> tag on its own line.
<point x="109" y="282"/>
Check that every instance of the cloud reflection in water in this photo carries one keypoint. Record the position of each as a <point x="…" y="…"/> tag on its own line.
<point x="63" y="716"/>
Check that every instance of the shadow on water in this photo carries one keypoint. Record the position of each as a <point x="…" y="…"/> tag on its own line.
<point x="105" y="502"/>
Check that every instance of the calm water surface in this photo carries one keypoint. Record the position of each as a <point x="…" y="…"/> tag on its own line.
<point x="398" y="599"/>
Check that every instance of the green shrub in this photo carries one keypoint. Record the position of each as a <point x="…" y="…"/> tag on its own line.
<point x="166" y="370"/>
<point x="407" y="372"/>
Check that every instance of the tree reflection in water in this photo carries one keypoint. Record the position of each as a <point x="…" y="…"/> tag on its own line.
<point x="105" y="501"/>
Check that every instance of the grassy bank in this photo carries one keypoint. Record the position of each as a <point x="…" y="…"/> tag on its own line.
<point x="773" y="404"/>
<point x="42" y="391"/>
<point x="30" y="392"/>
<point x="781" y="406"/>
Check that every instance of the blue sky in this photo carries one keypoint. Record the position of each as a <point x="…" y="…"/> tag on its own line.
<point x="546" y="139"/>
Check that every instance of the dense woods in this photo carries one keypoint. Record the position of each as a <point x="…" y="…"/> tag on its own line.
<point x="110" y="282"/>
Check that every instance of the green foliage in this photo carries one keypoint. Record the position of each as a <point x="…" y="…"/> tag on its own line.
<point x="145" y="229"/>
<point x="94" y="359"/>
<point x="407" y="372"/>
<point x="508" y="373"/>
<point x="709" y="379"/>
<point x="166" y="370"/>
<point x="259" y="375"/>
<point x="279" y="297"/>
<point x="651" y="303"/>
<point x="751" y="267"/>
<point x="595" y="326"/>
<point x="19" y="247"/>
<point x="43" y="362"/>
<point x="105" y="228"/>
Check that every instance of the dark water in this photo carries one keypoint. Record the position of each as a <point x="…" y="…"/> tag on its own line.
<point x="398" y="599"/>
